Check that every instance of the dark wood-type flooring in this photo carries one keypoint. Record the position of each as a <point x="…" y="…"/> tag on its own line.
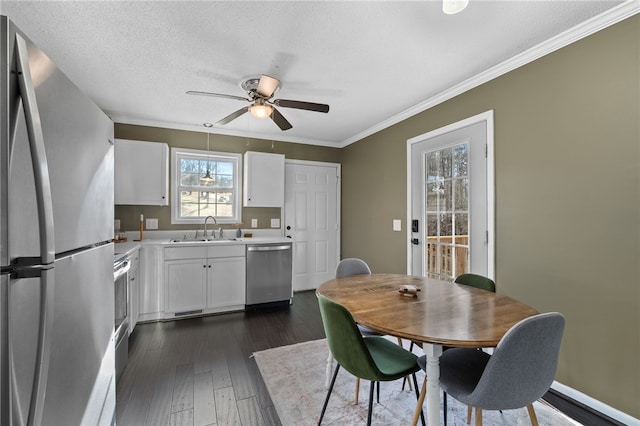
<point x="200" y="372"/>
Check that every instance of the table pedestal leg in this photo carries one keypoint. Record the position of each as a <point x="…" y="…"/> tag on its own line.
<point x="433" y="353"/>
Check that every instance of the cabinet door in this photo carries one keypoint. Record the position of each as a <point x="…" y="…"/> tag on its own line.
<point x="263" y="179"/>
<point x="185" y="285"/>
<point x="226" y="282"/>
<point x="141" y="173"/>
<point x="150" y="285"/>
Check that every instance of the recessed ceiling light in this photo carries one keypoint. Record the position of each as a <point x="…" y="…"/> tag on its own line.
<point x="207" y="124"/>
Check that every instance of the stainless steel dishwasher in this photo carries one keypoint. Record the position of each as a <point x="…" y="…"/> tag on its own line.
<point x="269" y="271"/>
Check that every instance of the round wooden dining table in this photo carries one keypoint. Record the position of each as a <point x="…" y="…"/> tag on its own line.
<point x="441" y="314"/>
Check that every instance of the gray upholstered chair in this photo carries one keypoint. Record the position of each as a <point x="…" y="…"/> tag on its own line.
<point x="354" y="266"/>
<point x="518" y="373"/>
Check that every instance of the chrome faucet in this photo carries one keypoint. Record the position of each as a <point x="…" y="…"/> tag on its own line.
<point x="205" y="224"/>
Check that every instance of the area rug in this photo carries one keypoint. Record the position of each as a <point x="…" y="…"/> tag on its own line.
<point x="295" y="378"/>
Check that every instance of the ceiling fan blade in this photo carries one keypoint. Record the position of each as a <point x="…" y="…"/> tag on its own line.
<point x="280" y="120"/>
<point x="267" y="86"/>
<point x="229" y="118"/>
<point x="217" y="95"/>
<point x="309" y="106"/>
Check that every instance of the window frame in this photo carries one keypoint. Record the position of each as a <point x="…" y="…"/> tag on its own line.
<point x="176" y="155"/>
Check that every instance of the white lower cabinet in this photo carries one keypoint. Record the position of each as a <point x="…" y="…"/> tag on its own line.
<point x="186" y="285"/>
<point x="203" y="279"/>
<point x="222" y="287"/>
<point x="150" y="293"/>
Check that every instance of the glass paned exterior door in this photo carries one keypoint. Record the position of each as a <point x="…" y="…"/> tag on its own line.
<point x="446" y="186"/>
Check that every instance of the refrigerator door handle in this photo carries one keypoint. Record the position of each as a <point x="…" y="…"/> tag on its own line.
<point x="43" y="354"/>
<point x="45" y="224"/>
<point x="38" y="155"/>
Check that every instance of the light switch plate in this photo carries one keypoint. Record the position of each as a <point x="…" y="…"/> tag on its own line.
<point x="397" y="225"/>
<point x="254" y="223"/>
<point x="152" y="223"/>
<point x="275" y="223"/>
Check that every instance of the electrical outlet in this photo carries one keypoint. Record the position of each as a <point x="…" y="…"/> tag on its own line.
<point x="116" y="224"/>
<point x="275" y="223"/>
<point x="397" y="225"/>
<point x="152" y="223"/>
<point x="254" y="223"/>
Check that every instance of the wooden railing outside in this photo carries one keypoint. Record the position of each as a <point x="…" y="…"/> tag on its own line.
<point x="447" y="256"/>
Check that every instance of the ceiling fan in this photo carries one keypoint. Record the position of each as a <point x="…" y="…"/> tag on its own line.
<point x="260" y="90"/>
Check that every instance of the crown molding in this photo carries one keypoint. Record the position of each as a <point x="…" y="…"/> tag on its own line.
<point x="606" y="19"/>
<point x="120" y="119"/>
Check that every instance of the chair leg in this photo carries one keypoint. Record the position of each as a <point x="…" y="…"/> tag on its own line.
<point x="418" y="410"/>
<point x="478" y="416"/>
<point x="373" y="385"/>
<point x="532" y="415"/>
<point x="326" y="401"/>
<point x="415" y="384"/>
<point x="444" y="406"/>
<point x="378" y="393"/>
<point x="357" y="391"/>
<point x="406" y="379"/>
<point x="469" y="410"/>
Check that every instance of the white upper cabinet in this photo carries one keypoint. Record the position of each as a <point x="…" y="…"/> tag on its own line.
<point x="263" y="179"/>
<point x="141" y="173"/>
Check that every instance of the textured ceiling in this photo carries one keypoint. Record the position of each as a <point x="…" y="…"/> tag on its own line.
<point x="370" y="61"/>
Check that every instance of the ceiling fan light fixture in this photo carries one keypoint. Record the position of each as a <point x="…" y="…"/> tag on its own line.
<point x="261" y="110"/>
<point x="451" y="7"/>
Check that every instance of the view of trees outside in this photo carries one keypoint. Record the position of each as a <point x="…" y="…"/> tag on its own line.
<point x="200" y="197"/>
<point x="447" y="211"/>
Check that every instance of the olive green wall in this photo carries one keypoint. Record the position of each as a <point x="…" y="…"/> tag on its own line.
<point x="130" y="215"/>
<point x="567" y="170"/>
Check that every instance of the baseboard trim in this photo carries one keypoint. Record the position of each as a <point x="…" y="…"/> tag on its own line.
<point x="587" y="403"/>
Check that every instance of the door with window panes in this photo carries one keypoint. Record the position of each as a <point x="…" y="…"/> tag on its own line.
<point x="449" y="203"/>
<point x="447" y="211"/>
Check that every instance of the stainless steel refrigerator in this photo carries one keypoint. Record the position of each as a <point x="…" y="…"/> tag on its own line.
<point x="56" y="224"/>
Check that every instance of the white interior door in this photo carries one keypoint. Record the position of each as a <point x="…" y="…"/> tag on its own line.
<point x="311" y="219"/>
<point x="451" y="200"/>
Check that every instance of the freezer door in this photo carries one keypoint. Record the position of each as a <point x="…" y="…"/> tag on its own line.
<point x="81" y="376"/>
<point x="78" y="142"/>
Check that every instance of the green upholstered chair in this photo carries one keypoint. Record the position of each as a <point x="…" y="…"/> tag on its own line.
<point x="477" y="281"/>
<point x="372" y="358"/>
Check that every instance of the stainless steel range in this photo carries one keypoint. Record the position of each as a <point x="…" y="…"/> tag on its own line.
<point x="121" y="266"/>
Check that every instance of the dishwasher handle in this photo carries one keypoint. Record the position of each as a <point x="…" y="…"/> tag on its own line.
<point x="269" y="248"/>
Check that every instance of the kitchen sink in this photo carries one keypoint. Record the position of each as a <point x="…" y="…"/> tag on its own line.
<point x="202" y="240"/>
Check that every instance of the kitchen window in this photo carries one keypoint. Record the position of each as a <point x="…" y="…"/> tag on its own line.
<point x="205" y="183"/>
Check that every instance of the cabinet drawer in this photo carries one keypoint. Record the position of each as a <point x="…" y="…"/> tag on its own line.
<point x="177" y="253"/>
<point x="232" y="250"/>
